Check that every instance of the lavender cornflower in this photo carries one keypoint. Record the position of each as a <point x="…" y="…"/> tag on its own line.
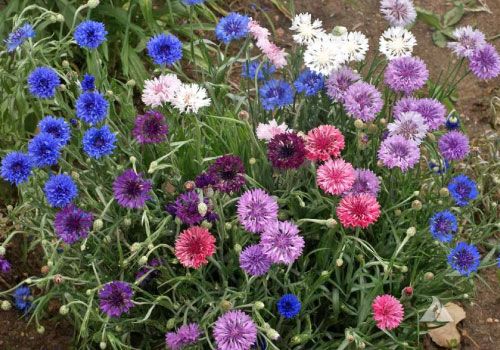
<point x="396" y="151"/>
<point x="363" y="101"/>
<point x="257" y="210"/>
<point x="229" y="172"/>
<point x="430" y="109"/>
<point x="286" y="151"/>
<point x="17" y="37"/>
<point x="115" y="298"/>
<point x="464" y="258"/>
<point x="485" y="62"/>
<point x="467" y="41"/>
<point x="443" y="225"/>
<point x="406" y="74"/>
<point x="131" y="190"/>
<point x="235" y="330"/>
<point x="365" y="182"/>
<point x="186" y="335"/>
<point x="339" y="81"/>
<point x="72" y="224"/>
<point x="282" y="243"/>
<point x="410" y="125"/>
<point x="253" y="260"/>
<point x="463" y="190"/>
<point x="150" y="127"/>
<point x="454" y="145"/>
<point x="398" y="13"/>
<point x="309" y="82"/>
<point x="4" y="265"/>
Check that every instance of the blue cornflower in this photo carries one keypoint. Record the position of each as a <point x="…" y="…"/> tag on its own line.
<point x="464" y="258"/>
<point x="91" y="107"/>
<point x="90" y="34"/>
<point x="16" y="167"/>
<point x="289" y="306"/>
<point x="57" y="127"/>
<point x="22" y="298"/>
<point x="44" y="150"/>
<point x="443" y="225"/>
<point x="255" y="69"/>
<point x="440" y="167"/>
<point x="463" y="190"/>
<point x="452" y="121"/>
<point x="192" y="2"/>
<point x="233" y="26"/>
<point x="164" y="49"/>
<point x="275" y="94"/>
<point x="88" y="82"/>
<point x="19" y="36"/>
<point x="60" y="190"/>
<point x="98" y="143"/>
<point x="309" y="82"/>
<point x="43" y="81"/>
<point x="498" y="262"/>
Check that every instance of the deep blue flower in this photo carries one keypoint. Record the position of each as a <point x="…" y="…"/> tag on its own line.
<point x="164" y="49"/>
<point x="443" y="225"/>
<point x="73" y="122"/>
<point x="91" y="107"/>
<point x="44" y="150"/>
<point x="90" y="34"/>
<point x="19" y="36"/>
<point x="275" y="94"/>
<point x="289" y="306"/>
<point x="233" y="26"/>
<point x="498" y="262"/>
<point x="60" y="190"/>
<point x="57" y="127"/>
<point x="439" y="167"/>
<point x="43" y="81"/>
<point x="16" y="167"/>
<point x="464" y="258"/>
<point x="452" y="121"/>
<point x="99" y="142"/>
<point x="256" y="69"/>
<point x="192" y="2"/>
<point x="309" y="82"/>
<point x="463" y="190"/>
<point x="22" y="298"/>
<point x="88" y="82"/>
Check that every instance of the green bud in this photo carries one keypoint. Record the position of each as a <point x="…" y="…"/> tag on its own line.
<point x="6" y="305"/>
<point x="98" y="225"/>
<point x="64" y="310"/>
<point x="259" y="305"/>
<point x="40" y="329"/>
<point x="103" y="345"/>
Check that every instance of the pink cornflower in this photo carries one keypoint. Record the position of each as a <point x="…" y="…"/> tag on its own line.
<point x="323" y="143"/>
<point x="194" y="246"/>
<point x="358" y="210"/>
<point x="387" y="312"/>
<point x="335" y="176"/>
<point x="159" y="90"/>
<point x="267" y="131"/>
<point x="275" y="54"/>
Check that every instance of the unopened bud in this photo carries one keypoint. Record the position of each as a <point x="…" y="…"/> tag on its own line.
<point x="59" y="18"/>
<point x="65" y="64"/>
<point x="98" y="225"/>
<point x="244" y="115"/>
<point x="206" y="224"/>
<point x="431" y="137"/>
<point x="252" y="161"/>
<point x="202" y="209"/>
<point x="416" y="204"/>
<point x="358" y="124"/>
<point x="189" y="185"/>
<point x="273" y="334"/>
<point x="383" y="121"/>
<point x="416" y="193"/>
<point x="325" y="274"/>
<point x="92" y="4"/>
<point x="103" y="345"/>
<point x="411" y="231"/>
<point x="444" y="192"/>
<point x="40" y="329"/>
<point x="62" y="87"/>
<point x="132" y="159"/>
<point x="143" y="260"/>
<point x="228" y="226"/>
<point x="259" y="305"/>
<point x="397" y="212"/>
<point x="64" y="310"/>
<point x="151" y="246"/>
<point x="6" y="305"/>
<point x="45" y="269"/>
<point x="109" y="93"/>
<point x="226" y="305"/>
<point x="131" y="83"/>
<point x="429" y="276"/>
<point x="408" y="291"/>
<point x="339" y="262"/>
<point x="135" y="247"/>
<point x="339" y="30"/>
<point x="127" y="222"/>
<point x="361" y="345"/>
<point x="171" y="323"/>
<point x="331" y="223"/>
<point x="350" y="338"/>
<point x="75" y="175"/>
<point x="2" y="250"/>
<point x="58" y="279"/>
<point x="88" y="292"/>
<point x="404" y="269"/>
<point x="237" y="248"/>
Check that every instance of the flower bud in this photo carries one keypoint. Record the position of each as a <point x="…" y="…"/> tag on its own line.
<point x="443" y="192"/>
<point x="206" y="224"/>
<point x="299" y="339"/>
<point x="62" y="87"/>
<point x="380" y="164"/>
<point x="118" y="328"/>
<point x="339" y="262"/>
<point x="331" y="223"/>
<point x="397" y="212"/>
<point x="88" y="292"/>
<point x="28" y="281"/>
<point x="2" y="250"/>
<point x="350" y="338"/>
<point x="252" y="161"/>
<point x="92" y="4"/>
<point x="50" y="263"/>
<point x="237" y="248"/>
<point x="64" y="310"/>
<point x="416" y="204"/>
<point x="151" y="246"/>
<point x="358" y="124"/>
<point x="228" y="226"/>
<point x="404" y="269"/>
<point x="325" y="274"/>
<point x="58" y="279"/>
<point x="65" y="64"/>
<point x="408" y="291"/>
<point x="171" y="323"/>
<point x="109" y="93"/>
<point x="266" y="326"/>
<point x="143" y="260"/>
<point x="383" y="121"/>
<point x="431" y="137"/>
<point x="131" y="83"/>
<point x="135" y="247"/>
<point x="226" y="305"/>
<point x="208" y="192"/>
<point x="132" y="159"/>
<point x="202" y="209"/>
<point x="40" y="329"/>
<point x="244" y="115"/>
<point x="259" y="305"/>
<point x="416" y="193"/>
<point x="98" y="225"/>
<point x="361" y="345"/>
<point x="411" y="231"/>
<point x="103" y="345"/>
<point x="59" y="18"/>
<point x="272" y="334"/>
<point x="372" y="128"/>
<point x="189" y="185"/>
<point x="6" y="305"/>
<point x="339" y="30"/>
<point x="429" y="276"/>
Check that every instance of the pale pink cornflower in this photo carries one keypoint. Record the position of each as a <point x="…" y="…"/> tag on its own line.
<point x="335" y="176"/>
<point x="159" y="90"/>
<point x="275" y="54"/>
<point x="267" y="131"/>
<point x="388" y="312"/>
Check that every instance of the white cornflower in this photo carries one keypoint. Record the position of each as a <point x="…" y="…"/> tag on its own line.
<point x="325" y="54"/>
<point x="356" y="46"/>
<point x="410" y="125"/>
<point x="190" y="98"/>
<point x="397" y="42"/>
<point x="399" y="13"/>
<point x="159" y="90"/>
<point x="267" y="131"/>
<point x="305" y="28"/>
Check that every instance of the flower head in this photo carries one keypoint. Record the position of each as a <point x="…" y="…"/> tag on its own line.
<point x="463" y="190"/>
<point x="325" y="54"/>
<point x="289" y="306"/>
<point x="131" y="190"/>
<point x="443" y="225"/>
<point x="396" y="151"/>
<point x="356" y="46"/>
<point x="256" y="210"/>
<point x="88" y="82"/>
<point x="452" y="121"/>
<point x="232" y="27"/>
<point x="190" y="98"/>
<point x="44" y="150"/>
<point x="186" y="335"/>
<point x="194" y="246"/>
<point x="164" y="49"/>
<point x="60" y="190"/>
<point x="464" y="258"/>
<point x="149" y="272"/>
<point x="365" y="182"/>
<point x="191" y="3"/>
<point x="396" y="42"/>
<point x="454" y="145"/>
<point x="398" y="13"/>
<point x="281" y="242"/>
<point x="253" y="260"/>
<point x="339" y="81"/>
<point x="358" y="210"/>
<point x="363" y="101"/>
<point x="115" y="298"/>
<point x="388" y="312"/>
<point x="309" y="83"/>
<point x="90" y="34"/>
<point x="406" y="74"/>
<point x="430" y="109"/>
<point x="267" y="131"/>
<point x="43" y="81"/>
<point x="17" y="37"/>
<point x="150" y="127"/>
<point x="91" y="107"/>
<point x="324" y="142"/>
<point x="57" y="127"/>
<point x="205" y="180"/>
<point x="99" y="142"/>
<point x="23" y="298"/>
<point x="306" y="29"/>
<point x="72" y="224"/>
<point x="235" y="330"/>
<point x="4" y="265"/>
<point x="256" y="70"/>
<point x="467" y="41"/>
<point x="275" y="94"/>
<point x="16" y="167"/>
<point x="485" y="62"/>
<point x="335" y="176"/>
<point x="186" y="208"/>
<point x="229" y="172"/>
<point x="286" y="151"/>
<point x="410" y="125"/>
<point x="159" y="90"/>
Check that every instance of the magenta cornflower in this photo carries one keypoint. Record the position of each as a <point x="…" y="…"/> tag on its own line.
<point x="72" y="224"/>
<point x="338" y="82"/>
<point x="485" y="62"/>
<point x="235" y="330"/>
<point x="323" y="143"/>
<point x="365" y="182"/>
<point x="335" y="176"/>
<point x="115" y="298"/>
<point x="406" y="74"/>
<point x="358" y="210"/>
<point x="454" y="145"/>
<point x="253" y="260"/>
<point x="388" y="312"/>
<point x="186" y="335"/>
<point x="396" y="151"/>
<point x="286" y="151"/>
<point x="131" y="190"/>
<point x="229" y="172"/>
<point x="150" y="127"/>
<point x="282" y="243"/>
<point x="257" y="210"/>
<point x="363" y="101"/>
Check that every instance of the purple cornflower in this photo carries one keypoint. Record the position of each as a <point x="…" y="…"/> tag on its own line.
<point x="406" y="74"/>
<point x="4" y="265"/>
<point x="467" y="41"/>
<point x="253" y="260"/>
<point x="286" y="151"/>
<point x="454" y="145"/>
<point x="363" y="101"/>
<point x="410" y="125"/>
<point x="149" y="272"/>
<point x="205" y="180"/>
<point x="485" y="62"/>
<point x="256" y="210"/>
<point x="186" y="208"/>
<point x="229" y="172"/>
<point x="281" y="242"/>
<point x="115" y="298"/>
<point x="339" y="81"/>
<point x="396" y="151"/>
<point x="186" y="335"/>
<point x="72" y="224"/>
<point x="365" y="182"/>
<point x="235" y="330"/>
<point x="150" y="127"/>
<point x="131" y="190"/>
<point x="398" y="13"/>
<point x="464" y="258"/>
<point x="433" y="111"/>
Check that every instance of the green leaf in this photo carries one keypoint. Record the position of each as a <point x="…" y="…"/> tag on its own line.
<point x="454" y="16"/>
<point x="439" y="39"/>
<point x="429" y="17"/>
